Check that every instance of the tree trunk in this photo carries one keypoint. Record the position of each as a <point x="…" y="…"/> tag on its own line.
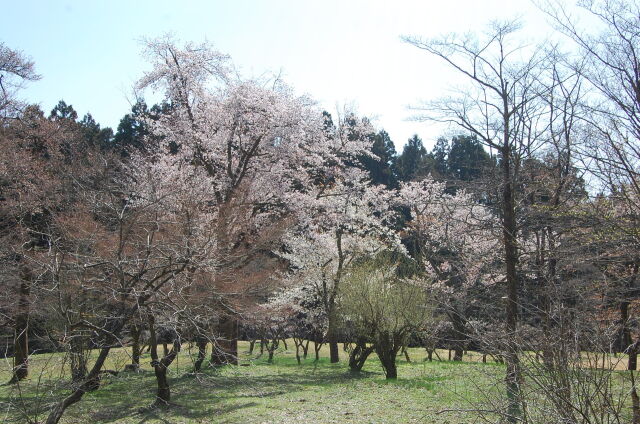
<point x="163" y="394"/>
<point x="334" y="353"/>
<point x="509" y="232"/>
<point x="387" y="349"/>
<point x="78" y="356"/>
<point x="21" y="331"/>
<point x="202" y="352"/>
<point x="58" y="410"/>
<point x="388" y="361"/>
<point x="316" y="347"/>
<point x="225" y="350"/>
<point x="626" y="340"/>
<point x="406" y="353"/>
<point x="459" y="331"/>
<point x="430" y="355"/>
<point x="297" y="352"/>
<point x="299" y="342"/>
<point x="545" y="307"/>
<point x="252" y="344"/>
<point x="391" y="372"/>
<point x="135" y="347"/>
<point x="633" y="356"/>
<point x="305" y="349"/>
<point x="544" y="311"/>
<point x="272" y="348"/>
<point x="332" y="335"/>
<point x="359" y="355"/>
<point x="457" y="354"/>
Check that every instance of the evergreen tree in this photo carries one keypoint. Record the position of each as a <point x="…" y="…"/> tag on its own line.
<point x="132" y="129"/>
<point x="440" y="154"/>
<point x="414" y="162"/>
<point x="93" y="134"/>
<point x="63" y="111"/>
<point x="329" y="126"/>
<point x="381" y="167"/>
<point x="467" y="160"/>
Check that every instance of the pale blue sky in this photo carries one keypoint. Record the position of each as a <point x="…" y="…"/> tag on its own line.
<point x="340" y="52"/>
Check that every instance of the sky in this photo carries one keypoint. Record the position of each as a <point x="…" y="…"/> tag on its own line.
<point x="346" y="52"/>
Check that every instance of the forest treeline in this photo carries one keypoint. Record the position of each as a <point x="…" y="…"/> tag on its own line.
<point x="235" y="208"/>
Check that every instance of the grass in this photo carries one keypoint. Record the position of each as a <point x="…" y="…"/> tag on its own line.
<point x="258" y="392"/>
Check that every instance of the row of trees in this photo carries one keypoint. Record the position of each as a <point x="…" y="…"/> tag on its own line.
<point x="557" y="127"/>
<point x="532" y="103"/>
<point x="172" y="230"/>
<point x="237" y="203"/>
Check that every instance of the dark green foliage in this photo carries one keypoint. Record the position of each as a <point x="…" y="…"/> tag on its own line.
<point x="63" y="111"/>
<point x="414" y="163"/>
<point x="86" y="130"/>
<point x="132" y="129"/>
<point x="381" y="167"/>
<point x="461" y="159"/>
<point x="329" y="126"/>
<point x="440" y="153"/>
<point x="133" y="134"/>
<point x="93" y="134"/>
<point x="467" y="160"/>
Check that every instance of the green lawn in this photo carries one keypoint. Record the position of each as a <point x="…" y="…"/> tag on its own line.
<point x="257" y="392"/>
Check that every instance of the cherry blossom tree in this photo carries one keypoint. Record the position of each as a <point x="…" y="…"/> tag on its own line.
<point x="121" y="248"/>
<point x="261" y="153"/>
<point x="347" y="220"/>
<point x="456" y="245"/>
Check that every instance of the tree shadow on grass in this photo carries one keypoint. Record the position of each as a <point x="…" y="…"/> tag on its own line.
<point x="213" y="393"/>
<point x="166" y="415"/>
<point x="217" y="393"/>
<point x="428" y="383"/>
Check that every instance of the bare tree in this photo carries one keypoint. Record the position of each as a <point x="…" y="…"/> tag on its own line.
<point x="502" y="108"/>
<point x="15" y="70"/>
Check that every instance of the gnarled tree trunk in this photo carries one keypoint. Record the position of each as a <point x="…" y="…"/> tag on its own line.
<point x="78" y="356"/>
<point x="359" y="355"/>
<point x="272" y="348"/>
<point x="225" y="348"/>
<point x="88" y="384"/>
<point x="387" y="349"/>
<point x="317" y="345"/>
<point x="160" y="366"/>
<point x="305" y="349"/>
<point x="201" y="343"/>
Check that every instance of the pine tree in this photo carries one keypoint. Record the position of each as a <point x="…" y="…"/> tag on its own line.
<point x="381" y="168"/>
<point x="414" y="162"/>
<point x="467" y="159"/>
